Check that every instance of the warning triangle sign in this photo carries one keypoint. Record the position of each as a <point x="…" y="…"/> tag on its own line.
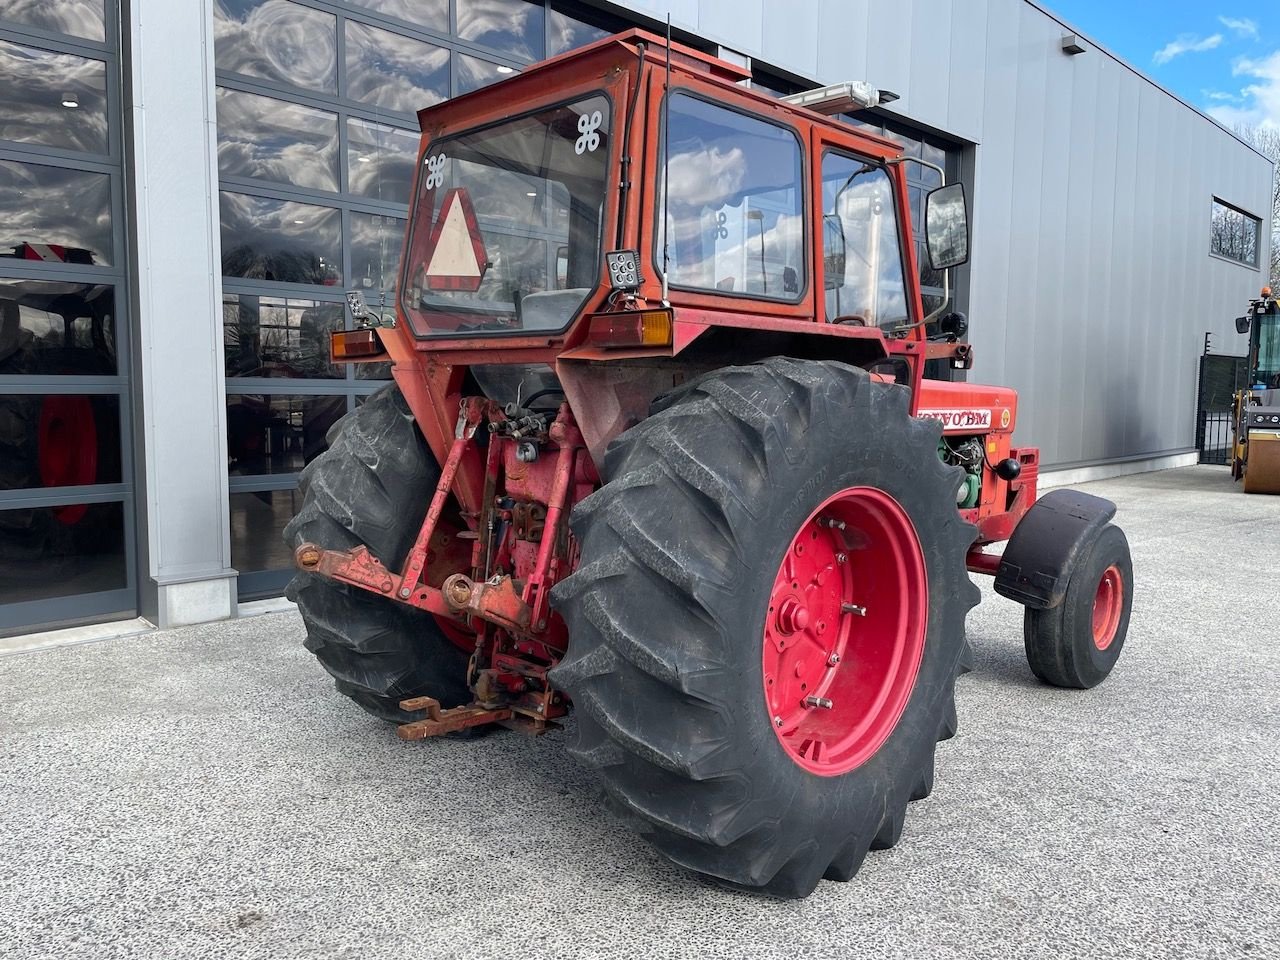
<point x="457" y="260"/>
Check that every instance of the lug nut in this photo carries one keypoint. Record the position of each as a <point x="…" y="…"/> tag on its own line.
<point x="841" y="558"/>
<point x="777" y="721"/>
<point x="822" y="703"/>
<point x="833" y="660"/>
<point x="854" y="609"/>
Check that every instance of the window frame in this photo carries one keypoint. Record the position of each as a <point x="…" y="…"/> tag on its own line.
<point x="806" y="206"/>
<point x="1256" y="263"/>
<point x="829" y="148"/>
<point x="606" y="215"/>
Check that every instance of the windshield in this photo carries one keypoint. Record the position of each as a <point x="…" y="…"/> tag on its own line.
<point x="507" y="224"/>
<point x="1268" y="371"/>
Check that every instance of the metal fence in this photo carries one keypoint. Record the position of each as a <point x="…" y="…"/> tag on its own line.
<point x="1220" y="378"/>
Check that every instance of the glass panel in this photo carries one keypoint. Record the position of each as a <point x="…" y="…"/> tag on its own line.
<point x="79" y="18"/>
<point x="279" y="337"/>
<point x="1234" y="234"/>
<point x="54" y="214"/>
<point x="372" y="371"/>
<point x="48" y="552"/>
<point x="276" y="433"/>
<point x="929" y="277"/>
<point x="569" y="34"/>
<point x="277" y="40"/>
<point x="433" y="14"/>
<point x="861" y="233"/>
<point x="934" y="154"/>
<point x="491" y="200"/>
<point x="273" y="140"/>
<point x="735" y="214"/>
<point x="257" y="529"/>
<point x="51" y="440"/>
<point x="380" y="160"/>
<point x="474" y="73"/>
<point x="375" y="252"/>
<point x="53" y="99"/>
<point x="50" y="327"/>
<point x="280" y="240"/>
<point x="512" y="26"/>
<point x="394" y="72"/>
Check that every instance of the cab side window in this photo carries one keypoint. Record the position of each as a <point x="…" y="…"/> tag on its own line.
<point x="735" y="217"/>
<point x="861" y="251"/>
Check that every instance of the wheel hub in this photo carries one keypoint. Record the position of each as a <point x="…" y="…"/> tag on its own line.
<point x="844" y="631"/>
<point x="1108" y="605"/>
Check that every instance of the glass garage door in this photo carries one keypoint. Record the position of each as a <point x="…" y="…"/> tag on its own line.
<point x="66" y="509"/>
<point x="317" y="143"/>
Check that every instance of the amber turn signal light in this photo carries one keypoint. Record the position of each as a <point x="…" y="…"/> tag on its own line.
<point x="355" y="344"/>
<point x="644" y="328"/>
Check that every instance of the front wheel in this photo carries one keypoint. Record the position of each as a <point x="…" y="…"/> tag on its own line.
<point x="767" y="621"/>
<point x="1076" y="643"/>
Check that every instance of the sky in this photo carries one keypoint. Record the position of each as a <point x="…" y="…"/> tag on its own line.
<point x="1223" y="56"/>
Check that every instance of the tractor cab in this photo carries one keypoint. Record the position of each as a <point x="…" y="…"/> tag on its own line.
<point x="628" y="201"/>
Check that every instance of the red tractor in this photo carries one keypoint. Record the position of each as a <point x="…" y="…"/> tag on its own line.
<point x="660" y="452"/>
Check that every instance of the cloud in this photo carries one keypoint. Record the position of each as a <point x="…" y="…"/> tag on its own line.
<point x="1259" y="101"/>
<point x="1220" y="96"/>
<point x="1241" y="27"/>
<point x="1187" y="43"/>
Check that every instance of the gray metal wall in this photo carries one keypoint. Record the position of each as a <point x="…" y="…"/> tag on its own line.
<point x="1091" y="285"/>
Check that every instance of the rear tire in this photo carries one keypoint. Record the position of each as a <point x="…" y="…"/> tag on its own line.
<point x="1076" y="643"/>
<point x="668" y="609"/>
<point x="372" y="487"/>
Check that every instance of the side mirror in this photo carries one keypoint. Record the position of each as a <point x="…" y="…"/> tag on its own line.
<point x="1242" y="324"/>
<point x="946" y="226"/>
<point x="833" y="251"/>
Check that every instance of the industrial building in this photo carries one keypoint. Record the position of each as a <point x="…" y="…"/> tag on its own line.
<point x="186" y="189"/>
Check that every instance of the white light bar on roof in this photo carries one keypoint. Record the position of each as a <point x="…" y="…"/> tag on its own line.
<point x="847" y="97"/>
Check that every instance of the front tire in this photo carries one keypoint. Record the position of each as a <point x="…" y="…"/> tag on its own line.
<point x="1077" y="643"/>
<point x="371" y="488"/>
<point x="684" y="551"/>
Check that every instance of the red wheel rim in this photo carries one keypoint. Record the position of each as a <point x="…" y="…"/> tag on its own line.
<point x="1108" y="603"/>
<point x="67" y="449"/>
<point x="844" y="631"/>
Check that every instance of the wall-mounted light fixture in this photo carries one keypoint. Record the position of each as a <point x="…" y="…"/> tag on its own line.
<point x="1071" y="45"/>
<point x="70" y="101"/>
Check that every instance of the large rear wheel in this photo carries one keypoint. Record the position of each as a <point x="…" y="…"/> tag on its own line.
<point x="371" y="488"/>
<point x="767" y="621"/>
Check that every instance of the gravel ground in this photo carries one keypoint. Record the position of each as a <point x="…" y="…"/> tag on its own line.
<point x="204" y="792"/>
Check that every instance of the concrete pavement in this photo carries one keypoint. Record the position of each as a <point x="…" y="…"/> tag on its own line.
<point x="205" y="793"/>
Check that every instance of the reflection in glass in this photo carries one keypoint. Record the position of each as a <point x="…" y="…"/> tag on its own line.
<point x="735" y="213"/>
<point x="376" y="240"/>
<point x="54" y="214"/>
<point x="276" y="433"/>
<point x="433" y="14"/>
<point x="1234" y="234"/>
<point x="257" y="529"/>
<point x="394" y="72"/>
<point x="280" y="240"/>
<point x="59" y="551"/>
<point x="52" y="327"/>
<point x="511" y="25"/>
<point x="273" y="140"/>
<point x="278" y="336"/>
<point x="53" y="99"/>
<point x="58" y="440"/>
<point x="277" y="40"/>
<point x="380" y="160"/>
<point x="79" y="18"/>
<point x="566" y="33"/>
<point x="857" y="203"/>
<point x="474" y="73"/>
